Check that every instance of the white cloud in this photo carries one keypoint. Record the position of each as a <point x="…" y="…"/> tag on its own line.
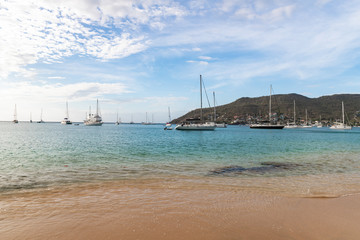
<point x="48" y="31"/>
<point x="198" y="62"/>
<point x="57" y="92"/>
<point x="56" y="77"/>
<point x="205" y="58"/>
<point x="157" y="101"/>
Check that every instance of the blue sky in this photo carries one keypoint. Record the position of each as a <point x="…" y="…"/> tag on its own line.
<point x="143" y="56"/>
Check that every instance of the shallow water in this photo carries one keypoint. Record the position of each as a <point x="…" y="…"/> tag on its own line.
<point x="295" y="162"/>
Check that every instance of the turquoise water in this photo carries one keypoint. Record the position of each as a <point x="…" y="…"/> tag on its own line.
<point x="298" y="161"/>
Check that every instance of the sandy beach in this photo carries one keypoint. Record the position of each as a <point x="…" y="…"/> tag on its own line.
<point x="153" y="211"/>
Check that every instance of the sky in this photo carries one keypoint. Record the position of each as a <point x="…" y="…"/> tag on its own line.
<point x="141" y="57"/>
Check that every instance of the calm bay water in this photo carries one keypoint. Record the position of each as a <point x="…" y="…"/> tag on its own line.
<point x="306" y="162"/>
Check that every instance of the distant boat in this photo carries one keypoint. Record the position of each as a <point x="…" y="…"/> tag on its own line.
<point x="218" y="125"/>
<point x="221" y="125"/>
<point x="318" y="124"/>
<point x="341" y="125"/>
<point x="15" y="116"/>
<point x="66" y="120"/>
<point x="94" y="119"/>
<point x="168" y="125"/>
<point x="41" y="121"/>
<point x="267" y="125"/>
<point x="117" y="119"/>
<point x="197" y="124"/>
<point x="146" y="121"/>
<point x="293" y="125"/>
<point x="30" y="118"/>
<point x="306" y="125"/>
<point x="131" y="122"/>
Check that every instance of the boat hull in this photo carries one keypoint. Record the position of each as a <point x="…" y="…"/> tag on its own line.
<point x="267" y="126"/>
<point x="196" y="127"/>
<point x="341" y="128"/>
<point x="93" y="124"/>
<point x="291" y="126"/>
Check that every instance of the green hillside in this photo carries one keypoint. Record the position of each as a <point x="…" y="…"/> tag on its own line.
<point x="245" y="110"/>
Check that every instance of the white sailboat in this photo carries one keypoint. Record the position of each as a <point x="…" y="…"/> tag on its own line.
<point x="168" y="125"/>
<point x="94" y="119"/>
<point x="318" y="124"/>
<point x="341" y="125"/>
<point x="197" y="124"/>
<point x="267" y="125"/>
<point x="146" y="120"/>
<point x="218" y="125"/>
<point x="306" y="125"/>
<point x="293" y="125"/>
<point x="15" y="116"/>
<point x="41" y="120"/>
<point x="66" y="120"/>
<point x="117" y="119"/>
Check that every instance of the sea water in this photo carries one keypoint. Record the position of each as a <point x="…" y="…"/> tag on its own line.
<point x="296" y="162"/>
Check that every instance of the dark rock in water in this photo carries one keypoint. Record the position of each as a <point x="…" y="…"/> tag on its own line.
<point x="283" y="165"/>
<point x="265" y="168"/>
<point x="229" y="169"/>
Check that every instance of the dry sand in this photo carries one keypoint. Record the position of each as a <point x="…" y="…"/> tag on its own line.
<point x="143" y="211"/>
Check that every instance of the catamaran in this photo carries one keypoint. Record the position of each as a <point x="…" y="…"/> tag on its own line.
<point x="15" y="116"/>
<point x="197" y="124"/>
<point x="94" y="119"/>
<point x="341" y="125"/>
<point x="66" y="120"/>
<point x="267" y="125"/>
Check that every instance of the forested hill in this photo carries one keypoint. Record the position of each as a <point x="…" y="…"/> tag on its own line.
<point x="245" y="110"/>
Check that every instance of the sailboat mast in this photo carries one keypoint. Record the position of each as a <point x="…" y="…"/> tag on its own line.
<point x="270" y="105"/>
<point x="201" y="114"/>
<point x="15" y="113"/>
<point x="97" y="107"/>
<point x="169" y="114"/>
<point x="67" y="110"/>
<point x="306" y="116"/>
<point x="214" y="108"/>
<point x="294" y="114"/>
<point x="343" y="114"/>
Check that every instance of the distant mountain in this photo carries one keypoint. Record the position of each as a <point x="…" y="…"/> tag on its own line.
<point x="245" y="110"/>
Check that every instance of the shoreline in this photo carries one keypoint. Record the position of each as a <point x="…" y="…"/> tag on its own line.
<point x="165" y="211"/>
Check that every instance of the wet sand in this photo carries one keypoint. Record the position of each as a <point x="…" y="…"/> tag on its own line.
<point x="162" y="211"/>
